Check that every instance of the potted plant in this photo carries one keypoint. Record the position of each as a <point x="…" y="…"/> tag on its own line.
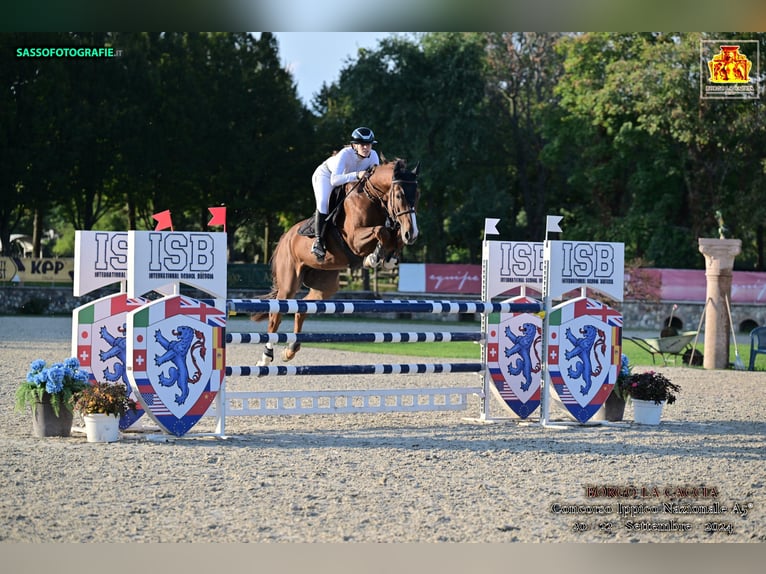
<point x="46" y="390"/>
<point x="101" y="406"/>
<point x="614" y="405"/>
<point x="649" y="391"/>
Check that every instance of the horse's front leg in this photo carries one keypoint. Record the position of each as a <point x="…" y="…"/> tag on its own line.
<point x="268" y="352"/>
<point x="376" y="244"/>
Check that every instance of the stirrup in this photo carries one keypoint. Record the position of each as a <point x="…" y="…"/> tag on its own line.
<point x="318" y="249"/>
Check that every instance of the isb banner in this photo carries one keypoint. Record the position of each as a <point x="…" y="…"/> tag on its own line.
<point x="156" y="258"/>
<point x="596" y="265"/>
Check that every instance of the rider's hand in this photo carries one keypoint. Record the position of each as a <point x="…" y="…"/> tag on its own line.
<point x="360" y="174"/>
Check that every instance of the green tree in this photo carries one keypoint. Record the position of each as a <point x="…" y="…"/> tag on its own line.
<point x="661" y="160"/>
<point x="425" y="99"/>
<point x="523" y="71"/>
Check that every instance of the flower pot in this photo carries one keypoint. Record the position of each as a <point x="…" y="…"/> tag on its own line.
<point x="647" y="412"/>
<point x="614" y="407"/>
<point x="46" y="423"/>
<point x="102" y="428"/>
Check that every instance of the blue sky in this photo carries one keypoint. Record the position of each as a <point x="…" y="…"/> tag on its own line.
<point x="316" y="58"/>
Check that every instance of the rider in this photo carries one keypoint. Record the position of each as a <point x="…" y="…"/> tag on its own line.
<point x="349" y="164"/>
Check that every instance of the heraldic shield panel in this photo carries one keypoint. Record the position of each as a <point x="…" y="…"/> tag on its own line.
<point x="176" y="359"/>
<point x="584" y="351"/>
<point x="99" y="341"/>
<point x="514" y="358"/>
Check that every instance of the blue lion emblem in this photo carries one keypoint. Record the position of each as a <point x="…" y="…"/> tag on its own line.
<point x="522" y="345"/>
<point x="176" y="352"/>
<point x="117" y="345"/>
<point x="582" y="351"/>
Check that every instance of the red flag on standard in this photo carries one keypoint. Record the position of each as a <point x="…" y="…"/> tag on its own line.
<point x="163" y="220"/>
<point x="219" y="217"/>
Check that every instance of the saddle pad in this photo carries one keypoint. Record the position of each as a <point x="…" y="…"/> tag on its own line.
<point x="307" y="228"/>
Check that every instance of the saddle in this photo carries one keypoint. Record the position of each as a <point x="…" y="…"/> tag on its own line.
<point x="336" y="207"/>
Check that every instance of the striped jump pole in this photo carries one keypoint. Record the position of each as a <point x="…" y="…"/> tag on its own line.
<point x="382" y="369"/>
<point x="364" y="400"/>
<point x="376" y="306"/>
<point x="290" y="338"/>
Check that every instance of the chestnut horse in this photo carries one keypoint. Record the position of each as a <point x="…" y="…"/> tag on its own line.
<point x="374" y="220"/>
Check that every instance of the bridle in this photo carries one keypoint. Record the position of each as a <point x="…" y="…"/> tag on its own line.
<point x="376" y="196"/>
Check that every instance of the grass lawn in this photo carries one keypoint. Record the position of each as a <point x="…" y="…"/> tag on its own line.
<point x="470" y="350"/>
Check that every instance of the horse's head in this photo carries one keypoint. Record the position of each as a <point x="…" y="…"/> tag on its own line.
<point x="401" y="196"/>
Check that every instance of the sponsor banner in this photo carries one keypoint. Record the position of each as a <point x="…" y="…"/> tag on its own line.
<point x="157" y="258"/>
<point x="514" y="358"/>
<point x="453" y="278"/>
<point x="36" y="269"/>
<point x="690" y="285"/>
<point x="596" y="265"/>
<point x="584" y="354"/>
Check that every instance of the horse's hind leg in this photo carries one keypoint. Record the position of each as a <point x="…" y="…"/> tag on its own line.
<point x="268" y="351"/>
<point x="292" y="348"/>
<point x="322" y="285"/>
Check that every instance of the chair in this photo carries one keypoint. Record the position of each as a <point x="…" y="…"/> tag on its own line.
<point x="757" y="344"/>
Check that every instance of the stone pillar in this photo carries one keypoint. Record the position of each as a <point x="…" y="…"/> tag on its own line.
<point x="719" y="261"/>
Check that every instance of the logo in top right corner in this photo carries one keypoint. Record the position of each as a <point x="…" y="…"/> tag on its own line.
<point x="728" y="70"/>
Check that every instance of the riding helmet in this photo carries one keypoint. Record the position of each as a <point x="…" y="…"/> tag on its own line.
<point x="363" y="135"/>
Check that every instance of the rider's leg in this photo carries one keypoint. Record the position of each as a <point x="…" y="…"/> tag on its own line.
<point x="322" y="189"/>
<point x="320" y="222"/>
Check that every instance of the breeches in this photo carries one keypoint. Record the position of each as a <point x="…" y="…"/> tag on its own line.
<point x="322" y="190"/>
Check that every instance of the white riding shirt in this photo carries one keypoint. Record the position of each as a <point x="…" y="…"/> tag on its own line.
<point x="337" y="170"/>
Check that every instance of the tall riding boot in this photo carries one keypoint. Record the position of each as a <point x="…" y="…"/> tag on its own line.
<point x="320" y="222"/>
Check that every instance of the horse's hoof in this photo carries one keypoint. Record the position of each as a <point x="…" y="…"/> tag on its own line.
<point x="371" y="261"/>
<point x="265" y="361"/>
<point x="390" y="264"/>
<point x="288" y="355"/>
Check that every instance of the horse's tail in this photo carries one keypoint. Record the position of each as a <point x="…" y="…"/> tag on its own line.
<point x="260" y="316"/>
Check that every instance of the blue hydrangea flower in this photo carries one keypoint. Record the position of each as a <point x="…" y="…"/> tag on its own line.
<point x="36" y="374"/>
<point x="55" y="379"/>
<point x="625" y="366"/>
<point x="37" y="365"/>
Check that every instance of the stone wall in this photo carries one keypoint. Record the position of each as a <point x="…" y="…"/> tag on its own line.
<point x="637" y="315"/>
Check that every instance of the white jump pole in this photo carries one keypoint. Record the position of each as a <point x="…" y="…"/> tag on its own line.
<point x="490" y="228"/>
<point x="551" y="225"/>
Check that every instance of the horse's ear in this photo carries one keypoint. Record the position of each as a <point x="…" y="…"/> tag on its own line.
<point x="415" y="169"/>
